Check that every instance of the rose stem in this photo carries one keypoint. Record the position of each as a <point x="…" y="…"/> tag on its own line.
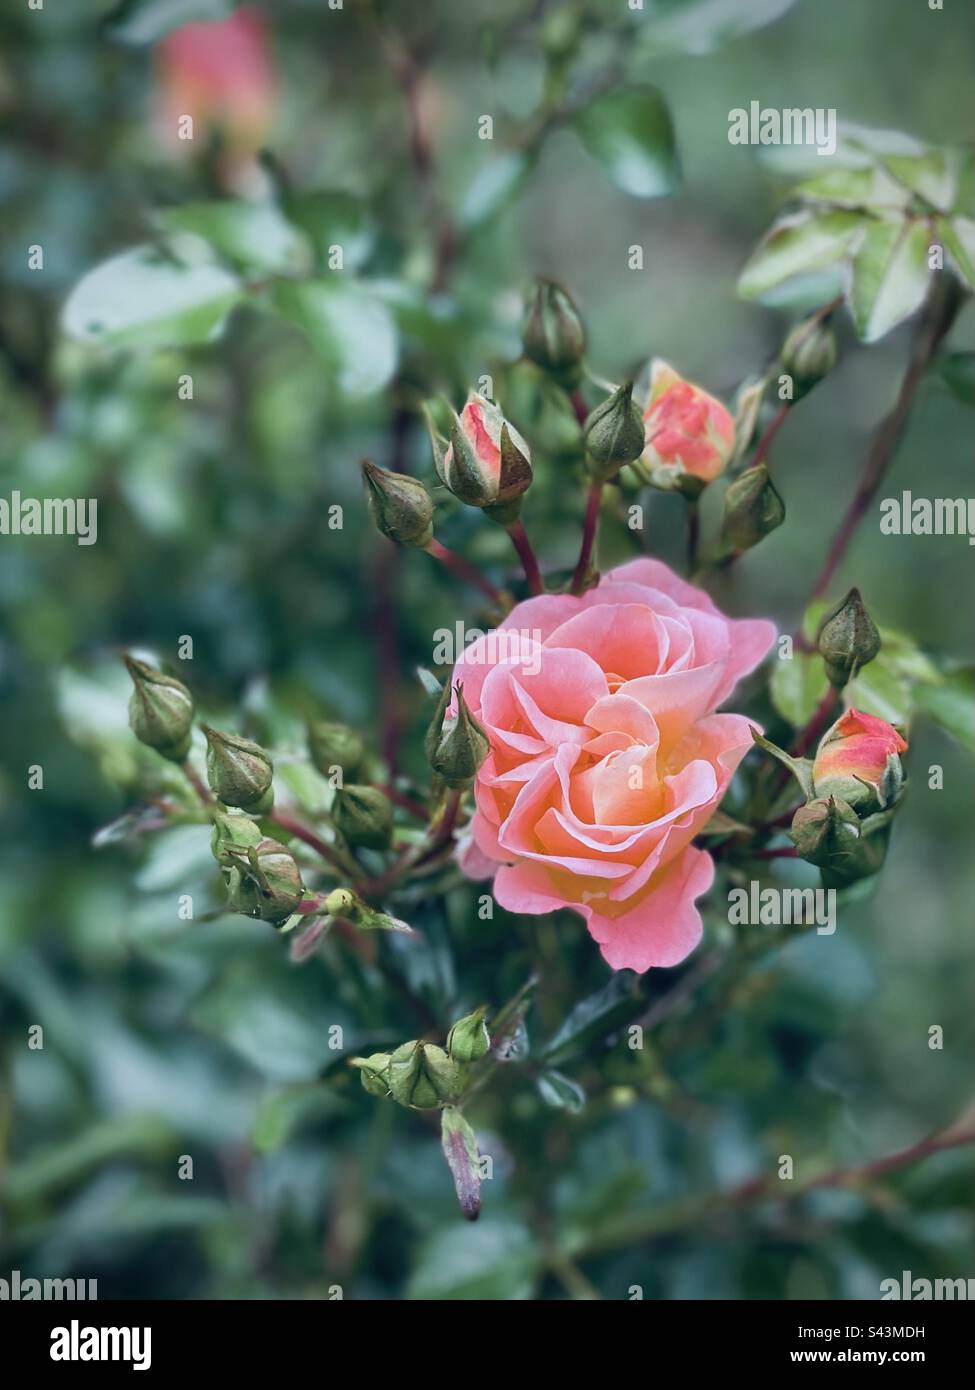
<point x="693" y="533"/>
<point x="521" y="543"/>
<point x="196" y="782"/>
<point x="465" y="571"/>
<point x="589" y="529"/>
<point x="771" y="430"/>
<point x="304" y="832"/>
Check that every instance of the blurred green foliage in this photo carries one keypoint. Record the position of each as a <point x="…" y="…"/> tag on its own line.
<point x="165" y="1037"/>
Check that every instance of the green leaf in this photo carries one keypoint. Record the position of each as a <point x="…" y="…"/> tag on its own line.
<point x="595" y="1017"/>
<point x="890" y="276"/>
<point x="699" y="26"/>
<point x="797" y="245"/>
<point x="933" y="175"/>
<point x="143" y="297"/>
<point x="256" y="236"/>
<point x="797" y="686"/>
<point x="631" y="135"/>
<point x="497" y="183"/>
<point x="957" y="235"/>
<point x="352" y="332"/>
<point x="952" y="704"/>
<point x="882" y="690"/>
<point x="495" y="1259"/>
<point x="560" y="1091"/>
<point x="145" y="21"/>
<point x="867" y="189"/>
<point x="334" y="218"/>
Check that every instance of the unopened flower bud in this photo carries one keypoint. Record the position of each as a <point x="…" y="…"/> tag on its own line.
<point x="239" y="772"/>
<point x="858" y="759"/>
<point x="263" y="881"/>
<point x="233" y="833"/>
<point x="614" y="433"/>
<point x="460" y="745"/>
<point x="401" y="507"/>
<point x="373" y="1072"/>
<point x="160" y="711"/>
<point x="345" y="903"/>
<point x="690" y="434"/>
<point x="553" y="335"/>
<point x="825" y="831"/>
<point x="334" y="745"/>
<point x="468" y="1039"/>
<point x="848" y="639"/>
<point x="752" y="508"/>
<point x="486" y="463"/>
<point x="363" y="816"/>
<point x="423" y="1076"/>
<point x="809" y="354"/>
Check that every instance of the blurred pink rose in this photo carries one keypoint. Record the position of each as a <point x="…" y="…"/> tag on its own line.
<point x="690" y="436"/>
<point x="606" y="755"/>
<point x="222" y="75"/>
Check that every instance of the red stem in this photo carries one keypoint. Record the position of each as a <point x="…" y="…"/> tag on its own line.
<point x="771" y="430"/>
<point x="579" y="406"/>
<point x="304" y="832"/>
<point x="465" y="571"/>
<point x="196" y="782"/>
<point x="590" y="527"/>
<point x="521" y="543"/>
<point x="821" y="717"/>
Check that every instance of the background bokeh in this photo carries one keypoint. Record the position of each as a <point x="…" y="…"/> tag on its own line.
<point x="165" y="1037"/>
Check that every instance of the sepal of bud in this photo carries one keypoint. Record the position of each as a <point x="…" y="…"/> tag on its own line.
<point x="335" y="745"/>
<point x="422" y="1076"/>
<point x="553" y="335"/>
<point x="373" y="1073"/>
<point x="459" y="745"/>
<point x="614" y="433"/>
<point x="468" y="1039"/>
<point x="809" y="354"/>
<point x="363" y="816"/>
<point x="752" y="508"/>
<point x="263" y="880"/>
<point x="460" y="1150"/>
<point x="345" y="903"/>
<point x="239" y="771"/>
<point x="848" y="639"/>
<point x="160" y="711"/>
<point x="401" y="507"/>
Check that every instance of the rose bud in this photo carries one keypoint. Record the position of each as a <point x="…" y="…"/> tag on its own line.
<point x="486" y="463"/>
<point x="345" y="903"/>
<point x="422" y="1076"/>
<point x="233" y="833"/>
<point x="460" y="745"/>
<point x="690" y="435"/>
<point x="374" y="1073"/>
<point x="859" y="761"/>
<point x="614" y="434"/>
<point x="363" y="816"/>
<point x="263" y="881"/>
<point x="752" y="508"/>
<point x="553" y="336"/>
<point x="160" y="711"/>
<point x="333" y="746"/>
<point x="848" y="639"/>
<point x="401" y="507"/>
<point x="468" y="1039"/>
<point x="239" y="772"/>
<point x="809" y="354"/>
<point x="825" y="831"/>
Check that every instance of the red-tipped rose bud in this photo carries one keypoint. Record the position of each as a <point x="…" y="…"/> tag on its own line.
<point x="858" y="760"/>
<point x="690" y="435"/>
<point x="486" y="461"/>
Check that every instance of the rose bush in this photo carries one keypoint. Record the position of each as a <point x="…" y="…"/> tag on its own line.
<point x="607" y="756"/>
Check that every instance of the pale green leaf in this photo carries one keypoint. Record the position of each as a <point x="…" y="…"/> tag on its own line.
<point x="496" y="183"/>
<point x="349" y="328"/>
<point x="890" y="276"/>
<point x="797" y="686"/>
<point x="256" y="236"/>
<point x="797" y="245"/>
<point x="699" y="26"/>
<point x="145" y="21"/>
<point x="957" y="236"/>
<point x="630" y="134"/>
<point x="952" y="704"/>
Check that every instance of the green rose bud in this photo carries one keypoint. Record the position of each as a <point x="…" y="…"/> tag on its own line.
<point x="239" y="771"/>
<point x="363" y="816"/>
<point x="400" y="506"/>
<point x="233" y="833"/>
<point x="263" y="881"/>
<point x="848" y="639"/>
<point x="553" y="335"/>
<point x="345" y="903"/>
<point x="614" y="434"/>
<point x="809" y="354"/>
<point x="752" y="508"/>
<point x="825" y="831"/>
<point x="460" y="746"/>
<point x="468" y="1039"/>
<point x="334" y="745"/>
<point x="160" y="711"/>
<point x="422" y="1076"/>
<point x="374" y="1073"/>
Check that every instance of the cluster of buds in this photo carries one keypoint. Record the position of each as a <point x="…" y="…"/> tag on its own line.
<point x="455" y="746"/>
<point x="855" y="783"/>
<point x="421" y="1075"/>
<point x="261" y="876"/>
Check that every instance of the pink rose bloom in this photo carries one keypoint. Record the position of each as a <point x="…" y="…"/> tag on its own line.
<point x="606" y="755"/>
<point x="690" y="435"/>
